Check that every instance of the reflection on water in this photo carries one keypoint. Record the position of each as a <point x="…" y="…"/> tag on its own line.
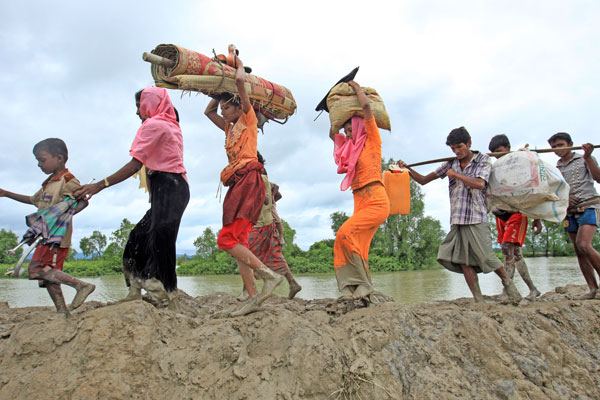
<point x="408" y="287"/>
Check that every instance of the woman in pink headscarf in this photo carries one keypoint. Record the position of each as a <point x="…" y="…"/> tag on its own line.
<point x="358" y="155"/>
<point x="149" y="256"/>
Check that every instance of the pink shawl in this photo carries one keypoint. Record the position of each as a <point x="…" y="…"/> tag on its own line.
<point x="158" y="143"/>
<point x="346" y="152"/>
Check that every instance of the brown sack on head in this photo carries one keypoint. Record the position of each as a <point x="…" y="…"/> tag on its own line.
<point x="343" y="105"/>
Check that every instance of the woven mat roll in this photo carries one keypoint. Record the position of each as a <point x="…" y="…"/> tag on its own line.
<point x="197" y="72"/>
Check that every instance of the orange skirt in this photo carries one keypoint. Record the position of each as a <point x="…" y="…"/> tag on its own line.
<point x="353" y="239"/>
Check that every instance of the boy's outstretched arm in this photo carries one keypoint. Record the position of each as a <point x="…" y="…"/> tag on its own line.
<point x="240" y="75"/>
<point x="420" y="179"/>
<point x="15" y="196"/>
<point x="362" y="100"/>
<point x="212" y="114"/>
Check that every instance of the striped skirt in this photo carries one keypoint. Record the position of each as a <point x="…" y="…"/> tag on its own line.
<point x="264" y="243"/>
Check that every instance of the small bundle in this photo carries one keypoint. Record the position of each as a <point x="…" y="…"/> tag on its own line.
<point x="343" y="105"/>
<point x="521" y="181"/>
<point x="179" y="68"/>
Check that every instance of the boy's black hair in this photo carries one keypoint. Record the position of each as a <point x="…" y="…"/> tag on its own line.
<point x="230" y="99"/>
<point x="560" y="136"/>
<point x="497" y="141"/>
<point x="53" y="146"/>
<point x="457" y="136"/>
<point x="176" y="114"/>
<point x="261" y="159"/>
<point x="138" y="95"/>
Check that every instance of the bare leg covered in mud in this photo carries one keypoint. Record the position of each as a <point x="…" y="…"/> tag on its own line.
<point x="294" y="286"/>
<point x="57" y="297"/>
<point x="247" y="263"/>
<point x="513" y="259"/>
<point x="57" y="277"/>
<point x="509" y="286"/>
<point x="472" y="282"/>
<point x="524" y="272"/>
<point x="135" y="288"/>
<point x="588" y="258"/>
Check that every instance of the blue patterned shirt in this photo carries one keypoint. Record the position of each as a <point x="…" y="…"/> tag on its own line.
<point x="467" y="205"/>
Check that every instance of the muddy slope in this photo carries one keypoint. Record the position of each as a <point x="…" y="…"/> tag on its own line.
<point x="297" y="349"/>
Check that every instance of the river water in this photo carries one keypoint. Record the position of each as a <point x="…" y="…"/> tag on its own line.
<point x="407" y="287"/>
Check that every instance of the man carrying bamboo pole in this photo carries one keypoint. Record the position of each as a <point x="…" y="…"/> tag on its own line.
<point x="467" y="248"/>
<point x="583" y="213"/>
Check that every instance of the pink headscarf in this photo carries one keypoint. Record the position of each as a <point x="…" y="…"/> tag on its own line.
<point x="158" y="143"/>
<point x="346" y="151"/>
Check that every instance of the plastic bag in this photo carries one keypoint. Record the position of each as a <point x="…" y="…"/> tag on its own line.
<point x="521" y="181"/>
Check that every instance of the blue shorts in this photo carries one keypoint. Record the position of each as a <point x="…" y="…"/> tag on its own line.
<point x="591" y="216"/>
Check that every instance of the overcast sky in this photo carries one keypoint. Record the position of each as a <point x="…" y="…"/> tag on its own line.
<point x="70" y="70"/>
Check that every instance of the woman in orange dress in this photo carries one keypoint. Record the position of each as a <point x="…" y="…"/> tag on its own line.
<point x="371" y="204"/>
<point x="246" y="189"/>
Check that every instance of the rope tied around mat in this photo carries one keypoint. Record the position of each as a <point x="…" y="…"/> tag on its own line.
<point x="271" y="98"/>
<point x="222" y="69"/>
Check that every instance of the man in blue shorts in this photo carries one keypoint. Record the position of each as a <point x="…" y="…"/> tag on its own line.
<point x="583" y="213"/>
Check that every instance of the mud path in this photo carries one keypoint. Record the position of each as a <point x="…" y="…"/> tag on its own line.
<point x="298" y="349"/>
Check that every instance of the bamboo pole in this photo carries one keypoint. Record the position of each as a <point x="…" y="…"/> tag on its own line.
<point x="500" y="154"/>
<point x="158" y="60"/>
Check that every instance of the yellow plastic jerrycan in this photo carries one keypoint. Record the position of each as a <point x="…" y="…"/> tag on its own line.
<point x="397" y="186"/>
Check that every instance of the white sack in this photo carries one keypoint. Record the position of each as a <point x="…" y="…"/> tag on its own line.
<point x="521" y="181"/>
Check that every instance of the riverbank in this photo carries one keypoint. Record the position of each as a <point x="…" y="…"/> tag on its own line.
<point x="94" y="268"/>
<point x="317" y="349"/>
<point x="406" y="287"/>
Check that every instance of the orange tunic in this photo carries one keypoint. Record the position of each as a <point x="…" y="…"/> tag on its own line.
<point x="368" y="166"/>
<point x="371" y="209"/>
<point x="240" y="143"/>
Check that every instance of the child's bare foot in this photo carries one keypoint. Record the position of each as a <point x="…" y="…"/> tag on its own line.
<point x="84" y="289"/>
<point x="135" y="290"/>
<point x="294" y="288"/>
<point x="533" y="294"/>
<point x="478" y="297"/>
<point x="243" y="296"/>
<point x="270" y="281"/>
<point x="252" y="306"/>
<point x="588" y="296"/>
<point x="511" y="291"/>
<point x="63" y="310"/>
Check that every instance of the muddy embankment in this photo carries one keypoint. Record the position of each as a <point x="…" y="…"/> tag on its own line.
<point x="297" y="349"/>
